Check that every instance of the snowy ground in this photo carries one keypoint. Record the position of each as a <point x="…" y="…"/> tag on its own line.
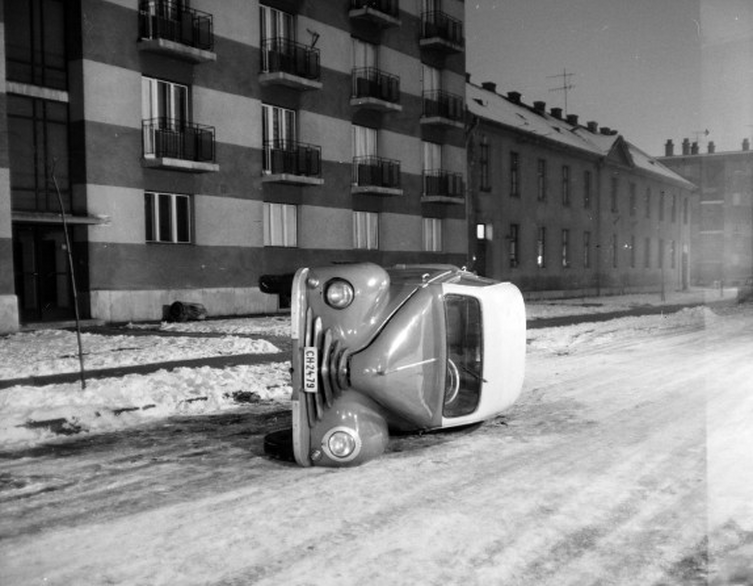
<point x="115" y="403"/>
<point x="627" y="460"/>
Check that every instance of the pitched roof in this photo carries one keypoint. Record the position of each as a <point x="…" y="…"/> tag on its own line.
<point x="610" y="145"/>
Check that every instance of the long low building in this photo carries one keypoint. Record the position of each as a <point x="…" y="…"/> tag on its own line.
<point x="564" y="209"/>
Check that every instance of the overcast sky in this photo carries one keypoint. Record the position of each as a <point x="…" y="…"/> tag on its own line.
<point x="651" y="69"/>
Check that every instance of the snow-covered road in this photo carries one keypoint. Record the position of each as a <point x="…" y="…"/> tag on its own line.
<point x="627" y="460"/>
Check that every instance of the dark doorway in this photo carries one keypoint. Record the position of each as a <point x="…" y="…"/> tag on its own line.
<point x="43" y="282"/>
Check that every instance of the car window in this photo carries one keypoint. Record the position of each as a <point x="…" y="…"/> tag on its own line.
<point x="464" y="366"/>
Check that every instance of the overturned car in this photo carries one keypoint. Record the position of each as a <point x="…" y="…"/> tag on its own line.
<point x="412" y="347"/>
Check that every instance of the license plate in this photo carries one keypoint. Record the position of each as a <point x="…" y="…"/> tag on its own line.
<point x="310" y="369"/>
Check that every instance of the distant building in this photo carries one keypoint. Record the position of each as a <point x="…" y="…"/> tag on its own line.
<point x="722" y="229"/>
<point x="566" y="209"/>
<point x="196" y="148"/>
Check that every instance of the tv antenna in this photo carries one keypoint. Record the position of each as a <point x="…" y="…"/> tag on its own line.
<point x="566" y="85"/>
<point x="698" y="133"/>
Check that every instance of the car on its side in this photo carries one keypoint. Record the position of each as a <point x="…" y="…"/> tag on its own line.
<point x="407" y="348"/>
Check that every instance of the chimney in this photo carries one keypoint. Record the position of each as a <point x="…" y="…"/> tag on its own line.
<point x="711" y="147"/>
<point x="572" y="119"/>
<point x="539" y="106"/>
<point x="606" y="130"/>
<point x="685" y="146"/>
<point x="489" y="86"/>
<point x="514" y="97"/>
<point x="746" y="144"/>
<point x="694" y="148"/>
<point x="557" y="113"/>
<point x="593" y="126"/>
<point x="669" y="148"/>
<point x="467" y="77"/>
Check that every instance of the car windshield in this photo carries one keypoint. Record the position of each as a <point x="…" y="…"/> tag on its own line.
<point x="464" y="355"/>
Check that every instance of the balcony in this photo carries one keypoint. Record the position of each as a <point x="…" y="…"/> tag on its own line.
<point x="382" y="13"/>
<point x="443" y="187"/>
<point x="170" y="28"/>
<point x="375" y="90"/>
<point x="441" y="32"/>
<point x="376" y="175"/>
<point x="180" y="146"/>
<point x="443" y="109"/>
<point x="294" y="163"/>
<point x="285" y="62"/>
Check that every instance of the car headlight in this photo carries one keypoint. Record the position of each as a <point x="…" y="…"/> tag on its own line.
<point x="339" y="293"/>
<point x="341" y="443"/>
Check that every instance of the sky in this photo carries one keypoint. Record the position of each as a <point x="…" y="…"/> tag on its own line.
<point x="651" y="69"/>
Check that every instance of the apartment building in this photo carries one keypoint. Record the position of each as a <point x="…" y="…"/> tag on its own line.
<point x="563" y="209"/>
<point x="195" y="146"/>
<point x="722" y="228"/>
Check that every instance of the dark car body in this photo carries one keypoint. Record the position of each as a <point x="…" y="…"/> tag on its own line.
<point x="406" y="348"/>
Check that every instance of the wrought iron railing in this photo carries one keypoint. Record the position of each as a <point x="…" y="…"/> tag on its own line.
<point x="294" y="158"/>
<point x="389" y="7"/>
<point x="167" y="138"/>
<point x="283" y="55"/>
<point x="376" y="172"/>
<point x="370" y="82"/>
<point x="443" y="104"/>
<point x="438" y="24"/>
<point x="173" y="21"/>
<point x="443" y="184"/>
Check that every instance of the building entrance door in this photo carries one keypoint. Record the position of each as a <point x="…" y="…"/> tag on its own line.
<point x="43" y="283"/>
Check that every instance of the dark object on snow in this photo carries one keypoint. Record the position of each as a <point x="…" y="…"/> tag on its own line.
<point x="279" y="445"/>
<point x="183" y="311"/>
<point x="745" y="291"/>
<point x="280" y="285"/>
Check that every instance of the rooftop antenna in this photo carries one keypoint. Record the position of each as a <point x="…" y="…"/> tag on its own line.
<point x="698" y="133"/>
<point x="566" y="85"/>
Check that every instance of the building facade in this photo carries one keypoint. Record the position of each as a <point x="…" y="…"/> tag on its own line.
<point x="722" y="228"/>
<point x="194" y="147"/>
<point x="563" y="209"/>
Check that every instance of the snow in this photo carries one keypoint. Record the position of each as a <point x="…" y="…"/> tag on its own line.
<point x="119" y="402"/>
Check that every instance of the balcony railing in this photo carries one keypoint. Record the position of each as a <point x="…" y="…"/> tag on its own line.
<point x="443" y="185"/>
<point x="169" y="20"/>
<point x="281" y="55"/>
<point x="292" y="158"/>
<point x="172" y="139"/>
<point x="441" y="104"/>
<point x="376" y="172"/>
<point x="379" y="12"/>
<point x="441" y="31"/>
<point x="372" y="87"/>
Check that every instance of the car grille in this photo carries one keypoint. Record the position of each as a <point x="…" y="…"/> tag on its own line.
<point x="332" y="367"/>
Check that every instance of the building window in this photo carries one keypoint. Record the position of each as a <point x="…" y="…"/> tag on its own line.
<point x="660" y="254"/>
<point x="613" y="192"/>
<point x="275" y="25"/>
<point x="484" y="164"/>
<point x="673" y="209"/>
<point x="672" y="254"/>
<point x="432" y="234"/>
<point x="632" y="251"/>
<point x="168" y="217"/>
<point x="278" y="131"/>
<point x="587" y="189"/>
<point x="586" y="250"/>
<point x="38" y="134"/>
<point x="35" y="43"/>
<point x="647" y="253"/>
<point x="280" y="224"/>
<point x="661" y="206"/>
<point x="541" y="179"/>
<point x="647" y="203"/>
<point x="514" y="175"/>
<point x="615" y="251"/>
<point x="514" y="245"/>
<point x="565" y="248"/>
<point x="685" y="213"/>
<point x="366" y="230"/>
<point x="364" y="142"/>
<point x="565" y="185"/>
<point x="432" y="161"/>
<point x="633" y="203"/>
<point x="164" y="106"/>
<point x="541" y="248"/>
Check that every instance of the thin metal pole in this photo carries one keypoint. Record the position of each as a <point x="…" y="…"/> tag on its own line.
<point x="73" y="280"/>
